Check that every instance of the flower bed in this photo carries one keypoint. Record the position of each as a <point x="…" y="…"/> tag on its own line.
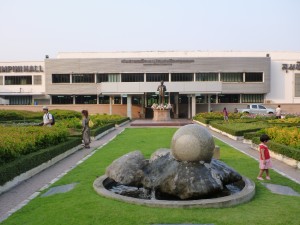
<point x="210" y="116"/>
<point x="17" y="141"/>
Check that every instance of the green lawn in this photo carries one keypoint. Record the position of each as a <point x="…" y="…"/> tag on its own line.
<point x="83" y="206"/>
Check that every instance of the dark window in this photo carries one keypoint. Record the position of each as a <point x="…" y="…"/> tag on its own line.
<point x="83" y="78"/>
<point x="132" y="77"/>
<point x="182" y="77"/>
<point x="104" y="99"/>
<point x="207" y="77"/>
<point x="18" y="80"/>
<point x="254" y="106"/>
<point x="117" y="99"/>
<point x="60" y="78"/>
<point x="261" y="107"/>
<point x="213" y="99"/>
<point x="200" y="99"/>
<point x="103" y="77"/>
<point x="232" y="77"/>
<point x="183" y="99"/>
<point x="86" y="99"/>
<point x="62" y="99"/>
<point x="157" y="77"/>
<point x="253" y="77"/>
<point x="19" y="100"/>
<point x="252" y="98"/>
<point x="297" y="85"/>
<point x="229" y="98"/>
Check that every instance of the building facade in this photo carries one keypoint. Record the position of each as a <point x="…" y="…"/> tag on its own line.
<point x="127" y="81"/>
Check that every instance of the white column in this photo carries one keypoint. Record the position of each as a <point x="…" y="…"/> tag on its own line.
<point x="97" y="99"/>
<point x="145" y="78"/>
<point x="193" y="105"/>
<point x="189" y="106"/>
<point x="110" y="104"/>
<point x="129" y="106"/>
<point x="169" y="77"/>
<point x="74" y="100"/>
<point x="176" y="105"/>
<point x="209" y="106"/>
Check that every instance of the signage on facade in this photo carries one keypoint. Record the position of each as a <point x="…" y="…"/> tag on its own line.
<point x="291" y="66"/>
<point x="20" y="69"/>
<point x="157" y="61"/>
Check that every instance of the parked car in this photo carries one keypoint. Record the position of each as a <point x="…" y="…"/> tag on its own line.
<point x="257" y="109"/>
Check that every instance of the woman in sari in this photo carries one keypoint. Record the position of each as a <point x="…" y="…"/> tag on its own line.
<point x="85" y="129"/>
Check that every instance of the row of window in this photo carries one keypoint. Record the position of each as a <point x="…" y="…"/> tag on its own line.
<point x="156" y="77"/>
<point x="222" y="98"/>
<point x="21" y="80"/>
<point x="231" y="98"/>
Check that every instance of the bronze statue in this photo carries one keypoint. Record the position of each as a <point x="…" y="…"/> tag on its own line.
<point x="161" y="91"/>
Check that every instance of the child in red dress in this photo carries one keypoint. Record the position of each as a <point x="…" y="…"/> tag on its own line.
<point x="264" y="159"/>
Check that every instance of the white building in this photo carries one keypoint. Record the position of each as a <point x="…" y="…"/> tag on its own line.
<point x="196" y="81"/>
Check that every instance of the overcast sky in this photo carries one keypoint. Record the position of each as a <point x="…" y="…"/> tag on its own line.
<point x="31" y="29"/>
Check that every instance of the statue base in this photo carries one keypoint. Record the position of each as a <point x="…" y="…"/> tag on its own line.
<point x="161" y="115"/>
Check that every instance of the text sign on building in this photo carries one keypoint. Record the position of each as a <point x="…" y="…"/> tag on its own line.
<point x="291" y="66"/>
<point x="20" y="69"/>
<point x="157" y="61"/>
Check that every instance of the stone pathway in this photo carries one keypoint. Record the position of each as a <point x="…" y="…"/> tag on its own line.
<point x="20" y="195"/>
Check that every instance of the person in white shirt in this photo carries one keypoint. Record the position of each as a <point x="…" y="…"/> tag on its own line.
<point x="47" y="118"/>
<point x="278" y="112"/>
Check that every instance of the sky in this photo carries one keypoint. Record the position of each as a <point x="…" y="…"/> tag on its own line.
<point x="31" y="29"/>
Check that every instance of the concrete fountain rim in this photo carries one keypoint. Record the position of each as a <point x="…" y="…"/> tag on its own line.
<point x="245" y="195"/>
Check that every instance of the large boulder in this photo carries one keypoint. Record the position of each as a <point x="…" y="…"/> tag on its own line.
<point x="128" y="169"/>
<point x="192" y="143"/>
<point x="187" y="180"/>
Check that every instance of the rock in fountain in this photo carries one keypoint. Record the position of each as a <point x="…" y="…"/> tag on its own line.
<point x="187" y="171"/>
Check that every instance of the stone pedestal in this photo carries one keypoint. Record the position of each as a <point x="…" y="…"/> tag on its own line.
<point x="161" y="115"/>
<point x="216" y="152"/>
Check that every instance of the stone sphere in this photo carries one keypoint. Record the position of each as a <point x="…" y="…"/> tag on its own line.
<point x="192" y="143"/>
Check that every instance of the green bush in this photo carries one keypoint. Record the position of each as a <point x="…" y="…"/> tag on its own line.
<point x="285" y="150"/>
<point x="10" y="170"/>
<point x="99" y="130"/>
<point x="17" y="141"/>
<point x="238" y="129"/>
<point x="60" y="114"/>
<point x="19" y="115"/>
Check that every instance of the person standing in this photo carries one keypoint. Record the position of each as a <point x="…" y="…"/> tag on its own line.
<point x="264" y="158"/>
<point x="86" y="137"/>
<point x="47" y="117"/>
<point x="225" y="113"/>
<point x="278" y="112"/>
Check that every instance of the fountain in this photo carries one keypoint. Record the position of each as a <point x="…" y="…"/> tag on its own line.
<point x="184" y="176"/>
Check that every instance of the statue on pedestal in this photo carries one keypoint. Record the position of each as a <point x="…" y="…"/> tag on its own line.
<point x="161" y="91"/>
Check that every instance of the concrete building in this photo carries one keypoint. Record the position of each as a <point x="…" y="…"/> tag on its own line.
<point x="126" y="82"/>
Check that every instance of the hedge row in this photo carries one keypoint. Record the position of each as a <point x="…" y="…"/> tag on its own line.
<point x="25" y="163"/>
<point x="237" y="129"/>
<point x="288" y="151"/>
<point x="99" y="130"/>
<point x="19" y="141"/>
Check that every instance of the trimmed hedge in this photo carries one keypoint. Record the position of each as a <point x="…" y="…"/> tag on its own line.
<point x="290" y="152"/>
<point x="236" y="130"/>
<point x="99" y="130"/>
<point x="122" y="120"/>
<point x="25" y="163"/>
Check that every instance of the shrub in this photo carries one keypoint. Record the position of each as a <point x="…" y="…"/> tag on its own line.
<point x="19" y="115"/>
<point x="289" y="136"/>
<point x="17" y="141"/>
<point x="99" y="130"/>
<point x="65" y="114"/>
<point x="238" y="129"/>
<point x="12" y="169"/>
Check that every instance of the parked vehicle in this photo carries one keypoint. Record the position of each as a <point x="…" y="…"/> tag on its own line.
<point x="257" y="109"/>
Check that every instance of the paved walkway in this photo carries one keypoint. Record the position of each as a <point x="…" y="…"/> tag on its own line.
<point x="21" y="194"/>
